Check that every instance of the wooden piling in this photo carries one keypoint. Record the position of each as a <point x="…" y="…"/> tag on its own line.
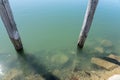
<point x="92" y="4"/>
<point x="8" y="20"/>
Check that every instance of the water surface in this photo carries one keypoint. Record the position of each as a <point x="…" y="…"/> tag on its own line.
<point x="49" y="31"/>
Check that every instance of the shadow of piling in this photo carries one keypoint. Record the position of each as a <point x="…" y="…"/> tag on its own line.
<point x="36" y="65"/>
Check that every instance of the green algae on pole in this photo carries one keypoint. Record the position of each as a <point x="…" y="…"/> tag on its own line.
<point x="8" y="20"/>
<point x="91" y="7"/>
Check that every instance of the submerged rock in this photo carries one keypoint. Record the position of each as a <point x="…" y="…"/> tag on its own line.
<point x="99" y="50"/>
<point x="75" y="77"/>
<point x="59" y="59"/>
<point x="56" y="71"/>
<point x="106" y="43"/>
<point x="103" y="63"/>
<point x="14" y="74"/>
<point x="108" y="51"/>
<point x="34" y="77"/>
<point x="117" y="58"/>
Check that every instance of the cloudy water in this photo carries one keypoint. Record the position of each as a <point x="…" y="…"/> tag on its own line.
<point x="49" y="30"/>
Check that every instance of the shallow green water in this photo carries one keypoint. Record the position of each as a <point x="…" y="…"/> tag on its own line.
<point x="49" y="31"/>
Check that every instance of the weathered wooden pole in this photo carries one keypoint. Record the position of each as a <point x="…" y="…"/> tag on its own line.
<point x="8" y="20"/>
<point x="92" y="4"/>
